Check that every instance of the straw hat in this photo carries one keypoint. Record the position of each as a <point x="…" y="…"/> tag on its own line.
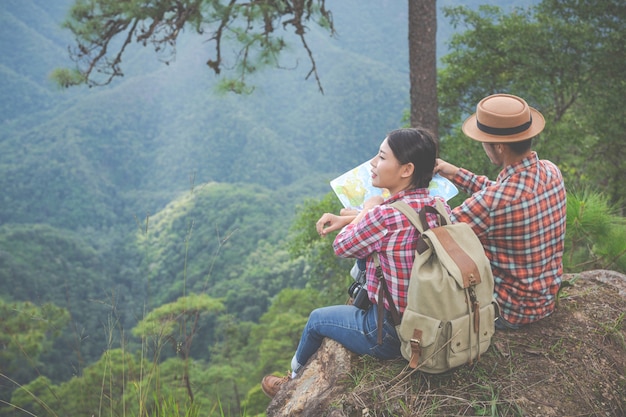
<point x="503" y="118"/>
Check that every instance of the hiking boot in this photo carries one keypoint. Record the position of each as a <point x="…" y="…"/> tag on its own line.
<point x="271" y="384"/>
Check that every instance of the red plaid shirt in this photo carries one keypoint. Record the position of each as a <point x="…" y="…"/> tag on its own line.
<point x="387" y="231"/>
<point x="520" y="220"/>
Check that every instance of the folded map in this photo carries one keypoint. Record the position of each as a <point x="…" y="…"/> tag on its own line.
<point x="355" y="186"/>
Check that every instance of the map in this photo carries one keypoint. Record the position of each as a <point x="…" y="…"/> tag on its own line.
<point x="355" y="186"/>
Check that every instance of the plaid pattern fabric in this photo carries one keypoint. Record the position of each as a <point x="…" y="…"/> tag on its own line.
<point x="387" y="231"/>
<point x="520" y="220"/>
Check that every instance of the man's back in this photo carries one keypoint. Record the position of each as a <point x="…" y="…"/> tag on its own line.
<point x="520" y="220"/>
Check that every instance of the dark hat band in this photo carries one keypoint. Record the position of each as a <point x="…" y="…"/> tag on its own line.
<point x="504" y="131"/>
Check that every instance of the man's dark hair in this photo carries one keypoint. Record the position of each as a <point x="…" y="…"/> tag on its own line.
<point x="418" y="146"/>
<point x="520" y="148"/>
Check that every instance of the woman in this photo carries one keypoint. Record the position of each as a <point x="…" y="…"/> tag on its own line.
<point x="404" y="165"/>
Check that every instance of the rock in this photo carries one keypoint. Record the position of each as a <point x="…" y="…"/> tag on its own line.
<point x="613" y="278"/>
<point x="311" y="394"/>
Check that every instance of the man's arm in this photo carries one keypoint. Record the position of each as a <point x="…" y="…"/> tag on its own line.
<point x="445" y="169"/>
<point x="461" y="177"/>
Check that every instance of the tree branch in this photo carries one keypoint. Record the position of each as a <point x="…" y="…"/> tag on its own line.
<point x="160" y="23"/>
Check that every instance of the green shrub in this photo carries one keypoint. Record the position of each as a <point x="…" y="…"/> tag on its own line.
<point x="596" y="234"/>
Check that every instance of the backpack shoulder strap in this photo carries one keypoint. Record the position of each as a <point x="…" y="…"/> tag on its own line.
<point x="419" y="220"/>
<point x="441" y="208"/>
<point x="410" y="214"/>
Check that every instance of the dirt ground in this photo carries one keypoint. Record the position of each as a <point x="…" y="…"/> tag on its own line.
<point x="572" y="363"/>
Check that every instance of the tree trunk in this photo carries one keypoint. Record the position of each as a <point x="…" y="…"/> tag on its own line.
<point x="423" y="63"/>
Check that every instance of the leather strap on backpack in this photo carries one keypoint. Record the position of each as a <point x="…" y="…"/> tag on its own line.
<point x="416" y="348"/>
<point x="467" y="266"/>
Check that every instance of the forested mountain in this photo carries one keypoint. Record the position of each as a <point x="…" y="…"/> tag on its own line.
<point x="119" y="198"/>
<point x="130" y="147"/>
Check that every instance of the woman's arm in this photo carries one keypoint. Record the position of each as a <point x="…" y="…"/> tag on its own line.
<point x="364" y="233"/>
<point x="330" y="222"/>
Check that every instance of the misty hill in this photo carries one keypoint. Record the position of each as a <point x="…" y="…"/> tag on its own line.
<point x="97" y="157"/>
<point x="132" y="146"/>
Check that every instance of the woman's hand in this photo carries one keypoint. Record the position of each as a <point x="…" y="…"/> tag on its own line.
<point x="330" y="222"/>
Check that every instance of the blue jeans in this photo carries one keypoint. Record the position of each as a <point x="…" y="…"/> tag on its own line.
<point x="354" y="328"/>
<point x="502" y="324"/>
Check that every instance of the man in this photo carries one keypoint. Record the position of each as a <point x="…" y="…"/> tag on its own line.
<point x="520" y="217"/>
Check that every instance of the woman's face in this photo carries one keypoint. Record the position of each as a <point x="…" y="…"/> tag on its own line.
<point x="387" y="172"/>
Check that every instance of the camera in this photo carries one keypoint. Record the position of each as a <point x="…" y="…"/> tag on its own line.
<point x="359" y="296"/>
<point x="358" y="289"/>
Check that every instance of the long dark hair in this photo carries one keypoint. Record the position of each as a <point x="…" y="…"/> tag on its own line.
<point x="419" y="146"/>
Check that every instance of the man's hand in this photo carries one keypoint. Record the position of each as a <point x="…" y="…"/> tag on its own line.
<point x="348" y="211"/>
<point x="373" y="201"/>
<point x="370" y="203"/>
<point x="445" y="169"/>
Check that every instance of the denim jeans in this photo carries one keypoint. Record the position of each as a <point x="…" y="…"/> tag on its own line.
<point x="354" y="328"/>
<point x="502" y="324"/>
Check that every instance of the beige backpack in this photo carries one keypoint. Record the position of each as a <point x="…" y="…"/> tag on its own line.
<point x="450" y="313"/>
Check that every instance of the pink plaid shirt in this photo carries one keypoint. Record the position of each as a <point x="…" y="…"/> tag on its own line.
<point x="520" y="220"/>
<point x="387" y="231"/>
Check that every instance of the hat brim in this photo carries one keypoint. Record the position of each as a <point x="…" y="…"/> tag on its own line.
<point x="470" y="128"/>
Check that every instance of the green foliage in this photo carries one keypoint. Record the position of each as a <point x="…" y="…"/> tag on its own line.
<point x="235" y="354"/>
<point x="170" y="407"/>
<point x="97" y="158"/>
<point x="303" y="227"/>
<point x="56" y="267"/>
<point x="26" y="331"/>
<point x="65" y="77"/>
<point x="595" y="235"/>
<point x="280" y="328"/>
<point x="327" y="268"/>
<point x="223" y="225"/>
<point x="105" y="28"/>
<point x="176" y="323"/>
<point x="561" y="57"/>
<point x="256" y="402"/>
<point x="122" y="383"/>
<point x="106" y="386"/>
<point x="268" y="269"/>
<point x="35" y="398"/>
